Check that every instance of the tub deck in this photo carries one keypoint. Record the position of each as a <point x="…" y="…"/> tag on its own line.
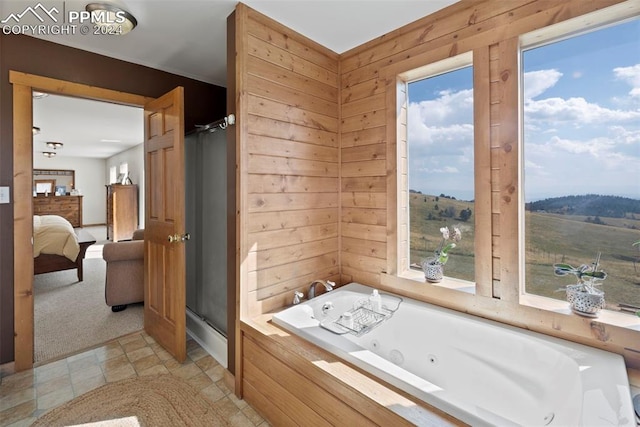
<point x="534" y="379"/>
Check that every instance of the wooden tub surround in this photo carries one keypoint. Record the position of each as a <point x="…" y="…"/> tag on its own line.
<point x="293" y="382"/>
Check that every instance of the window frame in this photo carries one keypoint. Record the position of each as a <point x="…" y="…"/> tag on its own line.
<point x="531" y="40"/>
<point x="499" y="293"/>
<point x="482" y="195"/>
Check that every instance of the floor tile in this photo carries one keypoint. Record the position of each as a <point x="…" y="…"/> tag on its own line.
<point x="200" y="381"/>
<point x="109" y="351"/>
<point x="206" y="362"/>
<point x="88" y="384"/>
<point x="139" y="353"/>
<point x="147" y="362"/>
<point x="120" y="373"/>
<point x="17" y="382"/>
<point x="52" y="385"/>
<point x="17" y="398"/>
<point x="212" y="393"/>
<point x="90" y="371"/>
<point x="186" y="371"/>
<point x="17" y="413"/>
<point x="55" y="398"/>
<point x="27" y="395"/>
<point x="50" y="371"/>
<point x="154" y="370"/>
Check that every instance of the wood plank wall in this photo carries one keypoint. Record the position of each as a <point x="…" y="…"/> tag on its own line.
<point x="317" y="140"/>
<point x="289" y="113"/>
<point x="370" y="90"/>
<point x="369" y="71"/>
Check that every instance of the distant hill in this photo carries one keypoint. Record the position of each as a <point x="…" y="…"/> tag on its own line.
<point x="588" y="205"/>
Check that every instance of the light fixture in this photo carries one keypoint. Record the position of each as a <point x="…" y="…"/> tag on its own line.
<point x="49" y="154"/>
<point x="35" y="130"/>
<point x="111" y="18"/>
<point x="54" y="144"/>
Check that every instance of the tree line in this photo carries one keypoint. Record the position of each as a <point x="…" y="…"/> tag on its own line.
<point x="588" y="205"/>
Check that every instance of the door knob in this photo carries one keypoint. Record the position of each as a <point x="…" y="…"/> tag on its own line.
<point x="177" y="238"/>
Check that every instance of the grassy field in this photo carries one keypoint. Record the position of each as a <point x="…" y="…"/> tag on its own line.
<point x="550" y="238"/>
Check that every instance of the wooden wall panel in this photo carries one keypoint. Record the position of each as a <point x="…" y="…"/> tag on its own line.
<point x="309" y="400"/>
<point x="376" y="71"/>
<point x="280" y="363"/>
<point x="319" y="139"/>
<point x="292" y="200"/>
<point x="369" y="94"/>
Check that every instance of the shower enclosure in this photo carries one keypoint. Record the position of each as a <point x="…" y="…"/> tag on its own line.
<point x="206" y="251"/>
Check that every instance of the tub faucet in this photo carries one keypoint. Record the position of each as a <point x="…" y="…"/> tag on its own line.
<point x="328" y="286"/>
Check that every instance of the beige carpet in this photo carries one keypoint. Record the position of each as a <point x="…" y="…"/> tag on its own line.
<point x="164" y="400"/>
<point x="71" y="316"/>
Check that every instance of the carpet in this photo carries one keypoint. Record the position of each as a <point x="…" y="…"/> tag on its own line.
<point x="71" y="316"/>
<point x="163" y="400"/>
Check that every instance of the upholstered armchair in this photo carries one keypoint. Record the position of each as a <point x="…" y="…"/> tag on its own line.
<point x="125" y="272"/>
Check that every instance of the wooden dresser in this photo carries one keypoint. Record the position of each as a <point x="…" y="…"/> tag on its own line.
<point x="122" y="211"/>
<point x="68" y="207"/>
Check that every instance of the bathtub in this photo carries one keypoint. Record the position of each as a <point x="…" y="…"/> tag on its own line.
<point x="482" y="372"/>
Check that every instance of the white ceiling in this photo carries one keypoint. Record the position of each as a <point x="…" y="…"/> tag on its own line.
<point x="188" y="37"/>
<point x="86" y="128"/>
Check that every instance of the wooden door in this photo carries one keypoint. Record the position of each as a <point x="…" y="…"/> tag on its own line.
<point x="164" y="255"/>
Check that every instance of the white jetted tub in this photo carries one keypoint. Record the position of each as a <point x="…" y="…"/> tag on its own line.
<point x="482" y="372"/>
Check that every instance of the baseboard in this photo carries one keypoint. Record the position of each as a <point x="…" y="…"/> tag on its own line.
<point x="209" y="339"/>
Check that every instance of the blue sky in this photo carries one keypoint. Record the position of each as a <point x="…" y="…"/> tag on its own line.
<point x="581" y="121"/>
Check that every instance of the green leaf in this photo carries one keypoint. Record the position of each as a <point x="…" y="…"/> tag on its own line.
<point x="601" y="275"/>
<point x="563" y="266"/>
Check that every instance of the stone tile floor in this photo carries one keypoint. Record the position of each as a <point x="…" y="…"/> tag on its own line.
<point x="27" y="395"/>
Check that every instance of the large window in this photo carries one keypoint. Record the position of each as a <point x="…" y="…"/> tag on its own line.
<point x="581" y="103"/>
<point x="440" y="160"/>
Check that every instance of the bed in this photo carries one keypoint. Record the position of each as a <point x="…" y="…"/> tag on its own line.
<point x="57" y="246"/>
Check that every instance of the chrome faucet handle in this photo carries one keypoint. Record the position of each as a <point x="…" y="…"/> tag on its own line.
<point x="312" y="287"/>
<point x="297" y="297"/>
<point x="330" y="285"/>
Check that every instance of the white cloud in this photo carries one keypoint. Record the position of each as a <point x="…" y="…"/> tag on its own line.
<point x="449" y="107"/>
<point x="446" y="169"/>
<point x="442" y="126"/>
<point x="631" y="76"/>
<point x="626" y="136"/>
<point x="537" y="82"/>
<point x="529" y="165"/>
<point x="577" y="111"/>
<point x="440" y="133"/>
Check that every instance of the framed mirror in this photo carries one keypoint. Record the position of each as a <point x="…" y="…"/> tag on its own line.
<point x="50" y="180"/>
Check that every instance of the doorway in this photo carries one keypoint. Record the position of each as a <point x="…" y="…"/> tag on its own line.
<point x="92" y="137"/>
<point x="23" y="85"/>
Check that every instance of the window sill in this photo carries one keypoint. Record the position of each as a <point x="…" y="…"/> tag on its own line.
<point x="609" y="317"/>
<point x="447" y="282"/>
